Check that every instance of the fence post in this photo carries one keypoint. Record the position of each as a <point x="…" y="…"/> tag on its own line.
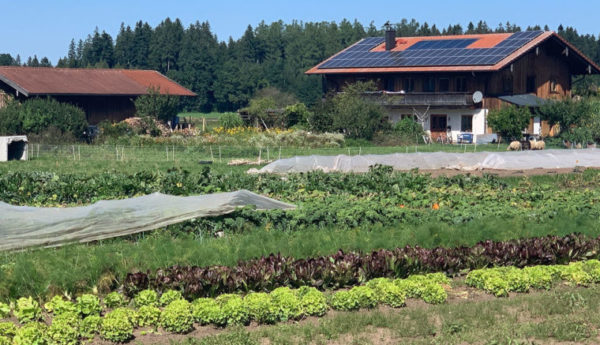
<point x="212" y="158"/>
<point x="279" y="152"/>
<point x="173" y="153"/>
<point x="203" y="124"/>
<point x="220" y="160"/>
<point x="167" y="150"/>
<point x="79" y="151"/>
<point x="259" y="154"/>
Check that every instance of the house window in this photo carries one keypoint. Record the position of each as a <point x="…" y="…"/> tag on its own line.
<point x="466" y="123"/>
<point x="507" y="84"/>
<point x="461" y="84"/>
<point x="429" y="84"/>
<point x="444" y="85"/>
<point x="531" y="86"/>
<point x="389" y="84"/>
<point x="408" y="85"/>
<point x="553" y="86"/>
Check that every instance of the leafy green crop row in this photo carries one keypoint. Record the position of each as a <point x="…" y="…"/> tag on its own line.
<point x="80" y="320"/>
<point x="502" y="280"/>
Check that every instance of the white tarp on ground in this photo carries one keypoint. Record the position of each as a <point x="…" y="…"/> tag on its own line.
<point x="24" y="226"/>
<point x="521" y="160"/>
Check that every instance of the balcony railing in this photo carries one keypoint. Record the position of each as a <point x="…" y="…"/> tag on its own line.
<point x="456" y="99"/>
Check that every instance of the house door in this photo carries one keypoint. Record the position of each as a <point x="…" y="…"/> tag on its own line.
<point x="437" y="126"/>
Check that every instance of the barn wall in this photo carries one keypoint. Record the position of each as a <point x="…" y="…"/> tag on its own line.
<point x="99" y="108"/>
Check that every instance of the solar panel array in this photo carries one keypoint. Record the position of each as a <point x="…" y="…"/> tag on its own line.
<point x="450" y="52"/>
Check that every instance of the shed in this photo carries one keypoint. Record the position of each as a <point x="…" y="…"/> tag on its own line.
<point x="13" y="148"/>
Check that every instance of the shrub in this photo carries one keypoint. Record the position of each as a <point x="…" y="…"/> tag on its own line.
<point x="90" y="326"/>
<point x="114" y="130"/>
<point x="36" y="115"/>
<point x="230" y="120"/>
<point x="146" y="297"/>
<point x="409" y="129"/>
<point x="509" y="121"/>
<point x="27" y="310"/>
<point x="287" y="303"/>
<point x="177" y="317"/>
<point x="354" y="115"/>
<point x="62" y="332"/>
<point x="117" y="326"/>
<point x="8" y="329"/>
<point x="88" y="305"/>
<point x="233" y="310"/>
<point x="296" y="114"/>
<point x="157" y="105"/>
<point x="205" y="310"/>
<point x="365" y="296"/>
<point x="148" y="316"/>
<point x="4" y="310"/>
<point x="343" y="300"/>
<point x="260" y="307"/>
<point x="114" y="300"/>
<point x="30" y="334"/>
<point x="313" y="301"/>
<point x="169" y="296"/>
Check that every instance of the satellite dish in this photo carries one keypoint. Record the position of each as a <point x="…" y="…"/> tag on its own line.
<point x="477" y="97"/>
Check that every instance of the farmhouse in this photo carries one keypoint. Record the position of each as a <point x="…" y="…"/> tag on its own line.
<point x="104" y="94"/>
<point x="450" y="83"/>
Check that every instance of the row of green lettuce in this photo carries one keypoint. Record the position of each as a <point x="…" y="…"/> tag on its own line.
<point x="115" y="318"/>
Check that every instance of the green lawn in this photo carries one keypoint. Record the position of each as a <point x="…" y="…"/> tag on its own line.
<point x="211" y="115"/>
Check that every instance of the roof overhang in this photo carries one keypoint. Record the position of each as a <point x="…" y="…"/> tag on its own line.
<point x="524" y="100"/>
<point x="592" y="67"/>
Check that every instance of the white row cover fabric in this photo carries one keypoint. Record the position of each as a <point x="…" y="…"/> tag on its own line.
<point x="519" y="160"/>
<point x="24" y="226"/>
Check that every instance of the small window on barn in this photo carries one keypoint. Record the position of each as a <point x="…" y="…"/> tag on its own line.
<point x="444" y="85"/>
<point x="408" y="85"/>
<point x="461" y="84"/>
<point x="531" y="86"/>
<point x="466" y="123"/>
<point x="429" y="84"/>
<point x="507" y="84"/>
<point x="553" y="86"/>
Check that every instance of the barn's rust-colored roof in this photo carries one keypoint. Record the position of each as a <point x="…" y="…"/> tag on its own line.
<point x="35" y="81"/>
<point x="484" y="41"/>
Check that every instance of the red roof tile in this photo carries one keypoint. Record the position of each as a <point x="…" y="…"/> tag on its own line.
<point x="74" y="81"/>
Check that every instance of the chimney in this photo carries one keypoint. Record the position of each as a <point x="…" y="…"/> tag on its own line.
<point x="390" y="37"/>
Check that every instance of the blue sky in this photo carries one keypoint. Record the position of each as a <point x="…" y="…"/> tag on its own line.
<point x="46" y="27"/>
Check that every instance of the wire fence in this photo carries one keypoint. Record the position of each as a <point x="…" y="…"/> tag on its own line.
<point x="223" y="154"/>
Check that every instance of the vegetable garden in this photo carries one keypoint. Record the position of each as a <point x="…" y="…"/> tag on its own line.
<point x="369" y="241"/>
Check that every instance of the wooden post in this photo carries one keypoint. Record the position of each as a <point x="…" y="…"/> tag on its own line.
<point x="268" y="154"/>
<point x="173" y="153"/>
<point x="212" y="158"/>
<point x="79" y="151"/>
<point x="117" y="153"/>
<point x="279" y="152"/>
<point x="38" y="150"/>
<point x="167" y="150"/>
<point x="359" y="150"/>
<point x="259" y="154"/>
<point x="220" y="160"/>
<point x="203" y="124"/>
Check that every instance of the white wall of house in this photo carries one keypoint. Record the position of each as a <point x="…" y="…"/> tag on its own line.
<point x="453" y="119"/>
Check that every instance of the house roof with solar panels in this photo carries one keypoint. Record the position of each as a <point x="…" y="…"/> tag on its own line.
<point x="464" y="53"/>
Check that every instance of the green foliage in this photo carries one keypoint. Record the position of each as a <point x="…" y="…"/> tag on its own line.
<point x="90" y="326"/>
<point x="260" y="307"/>
<point x="146" y="297"/>
<point x="27" y="310"/>
<point x="387" y="292"/>
<point x="541" y="277"/>
<point x="409" y="128"/>
<point x="169" y="296"/>
<point x="37" y="115"/>
<point x="58" y="305"/>
<point x="4" y="310"/>
<point x="296" y="115"/>
<point x="205" y="310"/>
<point x="233" y="310"/>
<point x="434" y="293"/>
<point x="62" y="332"/>
<point x="290" y="307"/>
<point x="8" y="329"/>
<point x="88" y="305"/>
<point x="509" y="121"/>
<point x="353" y="114"/>
<point x="5" y="340"/>
<point x="114" y="130"/>
<point x="230" y="120"/>
<point x="566" y="113"/>
<point x="313" y="301"/>
<point x="177" y="317"/>
<point x="31" y="334"/>
<point x="114" y="300"/>
<point x="343" y="300"/>
<point x="156" y="105"/>
<point x="365" y="296"/>
<point x="148" y="316"/>
<point x="117" y="326"/>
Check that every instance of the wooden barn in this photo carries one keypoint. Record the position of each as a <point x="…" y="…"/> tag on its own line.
<point x="451" y="82"/>
<point x="104" y="94"/>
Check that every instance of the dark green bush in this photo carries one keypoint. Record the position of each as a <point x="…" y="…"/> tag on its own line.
<point x="509" y="121"/>
<point x="157" y="105"/>
<point x="230" y="120"/>
<point x="38" y="115"/>
<point x="409" y="128"/>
